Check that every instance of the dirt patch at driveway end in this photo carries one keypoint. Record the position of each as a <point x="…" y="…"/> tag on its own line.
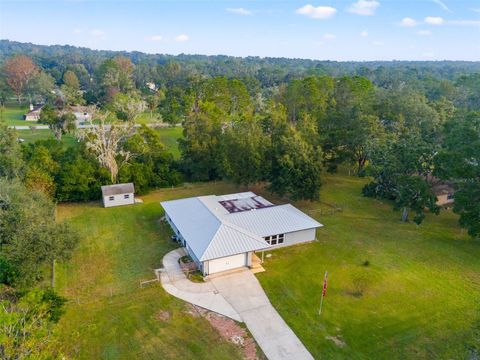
<point x="231" y="331"/>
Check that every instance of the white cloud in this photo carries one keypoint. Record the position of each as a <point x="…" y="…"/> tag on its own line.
<point x="319" y="12"/>
<point x="464" y="22"/>
<point x="476" y="10"/>
<point x="377" y="43"/>
<point x="364" y="33"/>
<point x="434" y="20"/>
<point x="98" y="34"/>
<point x="408" y="22"/>
<point x="329" y="36"/>
<point x="364" y="7"/>
<point x="424" y="32"/>
<point x="239" y="11"/>
<point x="442" y="5"/>
<point x="182" y="38"/>
<point x="156" y="37"/>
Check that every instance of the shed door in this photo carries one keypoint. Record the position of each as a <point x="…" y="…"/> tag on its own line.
<point x="227" y="263"/>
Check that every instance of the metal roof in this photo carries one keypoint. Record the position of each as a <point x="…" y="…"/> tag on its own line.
<point x="273" y="220"/>
<point x="117" y="189"/>
<point x="213" y="232"/>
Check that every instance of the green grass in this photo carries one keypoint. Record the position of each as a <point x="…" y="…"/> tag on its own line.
<point x="420" y="298"/>
<point x="169" y="137"/>
<point x="422" y="290"/>
<point x="108" y="315"/>
<point x="31" y="136"/>
<point x="13" y="115"/>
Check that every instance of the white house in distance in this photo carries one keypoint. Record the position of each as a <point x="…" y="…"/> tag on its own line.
<point x="34" y="113"/>
<point x="221" y="232"/>
<point x="118" y="194"/>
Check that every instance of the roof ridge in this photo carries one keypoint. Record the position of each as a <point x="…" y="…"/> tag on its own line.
<point x="211" y="241"/>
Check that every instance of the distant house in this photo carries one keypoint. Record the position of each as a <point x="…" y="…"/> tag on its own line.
<point x="81" y="114"/>
<point x="34" y="113"/>
<point x="118" y="194"/>
<point x="445" y="194"/>
<point x="222" y="232"/>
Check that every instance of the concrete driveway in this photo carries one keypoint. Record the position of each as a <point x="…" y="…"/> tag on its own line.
<point x="239" y="296"/>
<point x="243" y="291"/>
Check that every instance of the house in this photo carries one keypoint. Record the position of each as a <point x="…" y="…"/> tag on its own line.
<point x="222" y="232"/>
<point x="118" y="194"/>
<point x="34" y="113"/>
<point x="445" y="194"/>
<point x="81" y="114"/>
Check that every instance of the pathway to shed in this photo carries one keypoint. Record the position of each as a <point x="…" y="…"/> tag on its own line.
<point x="239" y="296"/>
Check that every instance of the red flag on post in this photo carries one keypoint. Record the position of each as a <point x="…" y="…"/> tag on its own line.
<point x="325" y="285"/>
<point x="324" y="292"/>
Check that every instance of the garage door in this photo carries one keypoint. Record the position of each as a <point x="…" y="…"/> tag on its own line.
<point x="226" y="263"/>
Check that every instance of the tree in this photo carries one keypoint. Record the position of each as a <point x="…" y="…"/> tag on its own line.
<point x="11" y="162"/>
<point x="295" y="162"/>
<point x="414" y="193"/>
<point x="127" y="107"/>
<point x="201" y="145"/>
<point x="245" y="148"/>
<point x="105" y="143"/>
<point x="19" y="71"/>
<point x="40" y="88"/>
<point x="59" y="123"/>
<point x="27" y="324"/>
<point x="459" y="161"/>
<point x="400" y="168"/>
<point x="153" y="166"/>
<point x="71" y="88"/>
<point x="30" y="238"/>
<point x="350" y="123"/>
<point x="153" y="100"/>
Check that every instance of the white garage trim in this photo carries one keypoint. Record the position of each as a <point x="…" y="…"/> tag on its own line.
<point x="227" y="263"/>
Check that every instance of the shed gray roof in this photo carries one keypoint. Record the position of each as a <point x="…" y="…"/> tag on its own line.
<point x="117" y="189"/>
<point x="212" y="232"/>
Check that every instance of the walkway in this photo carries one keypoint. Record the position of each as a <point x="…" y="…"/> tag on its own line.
<point x="239" y="296"/>
<point x="202" y="294"/>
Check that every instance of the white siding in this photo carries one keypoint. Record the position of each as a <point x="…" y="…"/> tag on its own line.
<point x="298" y="237"/>
<point x="118" y="200"/>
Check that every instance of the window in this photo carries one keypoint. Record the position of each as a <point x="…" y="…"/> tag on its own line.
<point x="275" y="239"/>
<point x="126" y="196"/>
<point x="111" y="198"/>
<point x="450" y="196"/>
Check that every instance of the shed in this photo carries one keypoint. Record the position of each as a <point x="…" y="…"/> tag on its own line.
<point x="118" y="194"/>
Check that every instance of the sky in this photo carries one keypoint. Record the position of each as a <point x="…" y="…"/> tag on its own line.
<point x="326" y="30"/>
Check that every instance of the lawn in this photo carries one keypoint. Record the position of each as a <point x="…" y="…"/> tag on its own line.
<point x="108" y="315"/>
<point x="31" y="136"/>
<point x="417" y="299"/>
<point x="13" y="115"/>
<point x="421" y="290"/>
<point x="169" y="137"/>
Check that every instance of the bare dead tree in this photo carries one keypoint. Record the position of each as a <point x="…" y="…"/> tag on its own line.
<point x="105" y="142"/>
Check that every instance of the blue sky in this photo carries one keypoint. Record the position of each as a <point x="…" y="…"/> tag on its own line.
<point x="326" y="30"/>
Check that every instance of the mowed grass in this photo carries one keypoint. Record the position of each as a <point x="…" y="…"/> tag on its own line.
<point x="108" y="315"/>
<point x="13" y="115"/>
<point x="420" y="298"/>
<point x="169" y="137"/>
<point x="30" y="136"/>
<point x="421" y="291"/>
